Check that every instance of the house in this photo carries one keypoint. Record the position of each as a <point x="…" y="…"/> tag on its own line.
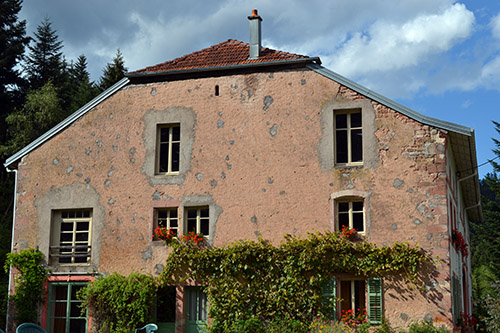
<point x="238" y="141"/>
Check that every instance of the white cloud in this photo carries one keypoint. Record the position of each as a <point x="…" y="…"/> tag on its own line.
<point x="495" y="26"/>
<point x="386" y="46"/>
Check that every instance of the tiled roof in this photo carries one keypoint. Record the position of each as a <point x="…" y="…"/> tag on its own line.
<point x="228" y="53"/>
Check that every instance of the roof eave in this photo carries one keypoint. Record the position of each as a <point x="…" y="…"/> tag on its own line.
<point x="312" y="60"/>
<point x="65" y="123"/>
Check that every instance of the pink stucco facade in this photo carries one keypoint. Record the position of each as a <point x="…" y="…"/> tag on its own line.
<point x="260" y="156"/>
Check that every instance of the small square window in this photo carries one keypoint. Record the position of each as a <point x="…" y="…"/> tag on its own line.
<point x="348" y="138"/>
<point x="168" y="143"/>
<point x="166" y="218"/>
<point x="198" y="220"/>
<point x="351" y="214"/>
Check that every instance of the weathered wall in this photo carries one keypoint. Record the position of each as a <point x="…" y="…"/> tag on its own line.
<point x="259" y="156"/>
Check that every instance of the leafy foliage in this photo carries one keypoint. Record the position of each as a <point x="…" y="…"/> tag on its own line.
<point x="249" y="279"/>
<point x="118" y="302"/>
<point x="29" y="283"/>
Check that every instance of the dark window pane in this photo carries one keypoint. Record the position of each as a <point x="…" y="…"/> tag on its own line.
<point x="204" y="212"/>
<point x="176" y="133"/>
<point x="67" y="226"/>
<point x="341" y="121"/>
<point x="162" y="214"/>
<point x="79" y="214"/>
<point x="358" y="221"/>
<point x="71" y="214"/>
<point x="60" y="292"/>
<point x="82" y="237"/>
<point x="82" y="226"/>
<point x="86" y="213"/>
<point x="175" y="156"/>
<point x="191" y="213"/>
<point x="356" y="119"/>
<point x="204" y="227"/>
<point x="357" y="206"/>
<point x="173" y="213"/>
<point x="66" y="237"/>
<point x="58" y="324"/>
<point x="341" y="146"/>
<point x="173" y="223"/>
<point x="75" y="310"/>
<point x="343" y="220"/>
<point x="356" y="145"/>
<point x="164" y="134"/>
<point x="163" y="163"/>
<point x="64" y="215"/>
<point x="77" y="326"/>
<point x="343" y="206"/>
<point x="64" y="260"/>
<point x="191" y="225"/>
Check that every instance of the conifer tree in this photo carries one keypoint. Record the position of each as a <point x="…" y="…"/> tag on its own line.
<point x="113" y="72"/>
<point x="45" y="62"/>
<point x="83" y="89"/>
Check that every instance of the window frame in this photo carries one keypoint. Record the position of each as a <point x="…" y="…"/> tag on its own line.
<point x="350" y="201"/>
<point x="199" y="218"/>
<point x="348" y="129"/>
<point x="67" y="301"/>
<point x="352" y="295"/>
<point x="56" y="232"/>
<point x="170" y="142"/>
<point x="168" y="219"/>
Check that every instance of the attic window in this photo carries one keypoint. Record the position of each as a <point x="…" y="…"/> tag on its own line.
<point x="216" y="90"/>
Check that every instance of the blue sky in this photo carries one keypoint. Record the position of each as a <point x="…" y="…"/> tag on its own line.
<point x="438" y="57"/>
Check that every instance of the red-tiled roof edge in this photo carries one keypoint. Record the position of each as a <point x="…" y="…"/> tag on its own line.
<point x="226" y="55"/>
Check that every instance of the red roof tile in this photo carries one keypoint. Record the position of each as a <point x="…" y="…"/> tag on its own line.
<point x="230" y="52"/>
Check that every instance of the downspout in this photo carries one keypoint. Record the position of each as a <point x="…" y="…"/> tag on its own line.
<point x="11" y="246"/>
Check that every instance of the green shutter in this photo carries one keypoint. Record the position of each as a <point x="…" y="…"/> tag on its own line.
<point x="375" y="300"/>
<point x="329" y="298"/>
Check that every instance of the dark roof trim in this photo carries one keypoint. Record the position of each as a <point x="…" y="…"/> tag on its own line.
<point x="66" y="122"/>
<point x="390" y="103"/>
<point x="228" y="67"/>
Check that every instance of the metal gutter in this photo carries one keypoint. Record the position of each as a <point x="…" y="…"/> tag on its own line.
<point x="11" y="247"/>
<point x="66" y="122"/>
<point x="229" y="67"/>
<point x="390" y="103"/>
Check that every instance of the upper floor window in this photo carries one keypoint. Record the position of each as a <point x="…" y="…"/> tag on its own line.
<point x="198" y="220"/>
<point x="71" y="236"/>
<point x="348" y="138"/>
<point x="351" y="214"/>
<point x="168" y="142"/>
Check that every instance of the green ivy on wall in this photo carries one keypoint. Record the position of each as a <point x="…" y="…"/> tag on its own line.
<point x="248" y="280"/>
<point x="29" y="283"/>
<point x="118" y="303"/>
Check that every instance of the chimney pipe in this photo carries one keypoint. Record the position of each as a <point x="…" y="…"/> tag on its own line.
<point x="255" y="35"/>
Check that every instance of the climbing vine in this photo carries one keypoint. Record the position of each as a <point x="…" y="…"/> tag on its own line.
<point x="248" y="279"/>
<point x="29" y="283"/>
<point x="117" y="303"/>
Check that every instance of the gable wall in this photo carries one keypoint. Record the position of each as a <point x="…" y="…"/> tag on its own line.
<point x="259" y="158"/>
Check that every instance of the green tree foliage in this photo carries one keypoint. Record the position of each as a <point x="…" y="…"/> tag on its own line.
<point x="255" y="280"/>
<point x="29" y="284"/>
<point x="41" y="111"/>
<point x="83" y="90"/>
<point x="118" y="303"/>
<point x="45" y="62"/>
<point x="485" y="246"/>
<point x="113" y="72"/>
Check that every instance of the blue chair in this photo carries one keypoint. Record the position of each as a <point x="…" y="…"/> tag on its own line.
<point x="149" y="328"/>
<point x="29" y="328"/>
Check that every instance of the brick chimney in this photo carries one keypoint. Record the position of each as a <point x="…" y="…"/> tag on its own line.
<point x="255" y="35"/>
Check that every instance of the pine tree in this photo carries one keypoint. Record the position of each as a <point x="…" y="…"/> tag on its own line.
<point x="45" y="62"/>
<point x="113" y="72"/>
<point x="83" y="89"/>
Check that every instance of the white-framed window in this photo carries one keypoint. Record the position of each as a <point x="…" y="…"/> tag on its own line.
<point x="168" y="143"/>
<point x="198" y="220"/>
<point x="351" y="213"/>
<point x="348" y="137"/>
<point x="166" y="218"/>
<point x="71" y="236"/>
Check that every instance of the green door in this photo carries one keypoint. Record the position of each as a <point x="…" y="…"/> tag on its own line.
<point x="196" y="310"/>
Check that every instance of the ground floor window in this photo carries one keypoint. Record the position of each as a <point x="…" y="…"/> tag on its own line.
<point x="64" y="313"/>
<point x="354" y="296"/>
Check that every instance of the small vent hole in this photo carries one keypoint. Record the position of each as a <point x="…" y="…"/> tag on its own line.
<point x="217" y="90"/>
